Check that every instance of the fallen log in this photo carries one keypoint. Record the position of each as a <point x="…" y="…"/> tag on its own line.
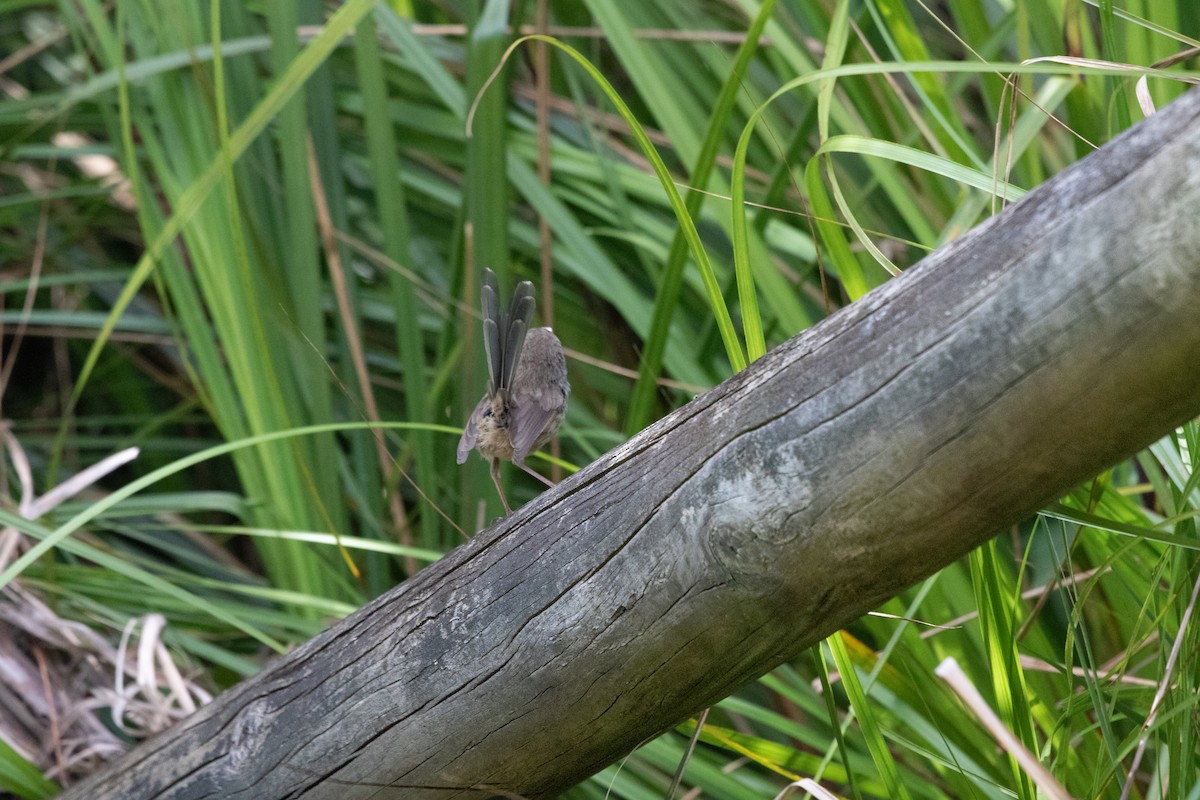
<point x="849" y="463"/>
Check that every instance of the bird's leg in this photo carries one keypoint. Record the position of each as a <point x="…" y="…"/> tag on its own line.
<point x="499" y="488"/>
<point x="535" y="474"/>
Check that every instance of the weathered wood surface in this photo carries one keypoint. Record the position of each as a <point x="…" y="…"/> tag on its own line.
<point x="856" y="459"/>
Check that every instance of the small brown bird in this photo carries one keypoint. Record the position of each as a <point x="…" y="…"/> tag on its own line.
<point x="527" y="390"/>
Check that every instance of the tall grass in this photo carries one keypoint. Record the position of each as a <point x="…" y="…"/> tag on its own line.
<point x="312" y="212"/>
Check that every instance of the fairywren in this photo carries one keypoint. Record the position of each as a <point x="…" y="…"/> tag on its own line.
<point x="526" y="397"/>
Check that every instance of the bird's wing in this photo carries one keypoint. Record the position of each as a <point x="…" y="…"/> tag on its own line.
<point x="471" y="432"/>
<point x="529" y="415"/>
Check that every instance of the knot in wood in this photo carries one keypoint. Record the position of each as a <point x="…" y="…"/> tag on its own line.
<point x="750" y="521"/>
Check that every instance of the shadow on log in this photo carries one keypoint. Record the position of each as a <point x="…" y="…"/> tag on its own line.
<point x="856" y="459"/>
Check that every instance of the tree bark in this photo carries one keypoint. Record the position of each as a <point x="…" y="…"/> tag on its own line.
<point x="856" y="459"/>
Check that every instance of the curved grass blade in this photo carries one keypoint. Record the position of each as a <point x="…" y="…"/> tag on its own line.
<point x="733" y="347"/>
